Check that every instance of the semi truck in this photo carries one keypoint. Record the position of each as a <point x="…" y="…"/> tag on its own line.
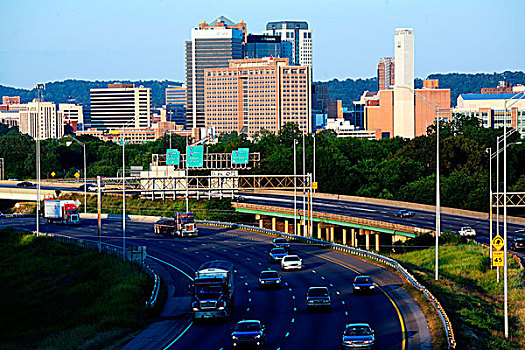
<point x="61" y="211"/>
<point x="213" y="290"/>
<point x="182" y="225"/>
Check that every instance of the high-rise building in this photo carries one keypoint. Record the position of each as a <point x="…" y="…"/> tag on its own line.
<point x="211" y="46"/>
<point x="255" y="94"/>
<point x="386" y="73"/>
<point x="72" y="115"/>
<point x="260" y="46"/>
<point x="120" y="105"/>
<point x="40" y="121"/>
<point x="176" y="95"/>
<point x="404" y="81"/>
<point x="299" y="35"/>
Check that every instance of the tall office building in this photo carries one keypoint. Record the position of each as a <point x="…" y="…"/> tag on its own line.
<point x="40" y="121"/>
<point x="386" y="73"/>
<point x="120" y="105"/>
<point x="176" y="104"/>
<point x="404" y="121"/>
<point x="255" y="94"/>
<point x="299" y="35"/>
<point x="210" y="47"/>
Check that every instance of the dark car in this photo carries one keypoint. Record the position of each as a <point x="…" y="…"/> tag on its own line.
<point x="403" y="213"/>
<point x="518" y="244"/>
<point x="363" y="284"/>
<point x="269" y="279"/>
<point x="318" y="297"/>
<point x="238" y="199"/>
<point x="281" y="243"/>
<point x="25" y="184"/>
<point x="358" y="335"/>
<point x="86" y="186"/>
<point x="277" y="254"/>
<point x="248" y="332"/>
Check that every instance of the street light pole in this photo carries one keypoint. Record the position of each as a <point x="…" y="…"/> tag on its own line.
<point x="314" y="178"/>
<point x="123" y="195"/>
<point x="489" y="151"/>
<point x="304" y="187"/>
<point x="85" y="167"/>
<point x="295" y="142"/>
<point x="38" y="184"/>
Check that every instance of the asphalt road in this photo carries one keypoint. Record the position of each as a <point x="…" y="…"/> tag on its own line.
<point x="283" y="311"/>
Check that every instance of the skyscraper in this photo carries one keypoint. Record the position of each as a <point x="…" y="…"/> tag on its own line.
<point x="404" y="121"/>
<point x="211" y="46"/>
<point x="385" y="73"/>
<point x="40" y="121"/>
<point x="120" y="105"/>
<point x="299" y="35"/>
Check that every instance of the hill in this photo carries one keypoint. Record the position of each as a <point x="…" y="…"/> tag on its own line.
<point x="77" y="91"/>
<point x="459" y="83"/>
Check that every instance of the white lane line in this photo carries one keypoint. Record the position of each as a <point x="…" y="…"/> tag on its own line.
<point x="247" y="309"/>
<point x="287" y="334"/>
<point x="248" y="259"/>
<point x="285" y="283"/>
<point x="207" y="256"/>
<point x="185" y="248"/>
<point x="293" y="320"/>
<point x="294" y="309"/>
<point x="343" y="302"/>
<point x="196" y="252"/>
<point x="338" y="292"/>
<point x="313" y="271"/>
<point x="246" y="283"/>
<point x="331" y="285"/>
<point x="249" y="300"/>
<point x="322" y="277"/>
<point x="346" y="313"/>
<point x="290" y="289"/>
<point x="293" y="296"/>
<point x="249" y="290"/>
<point x="260" y="264"/>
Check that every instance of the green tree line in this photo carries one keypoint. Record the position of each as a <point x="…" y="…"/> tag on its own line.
<point x="398" y="169"/>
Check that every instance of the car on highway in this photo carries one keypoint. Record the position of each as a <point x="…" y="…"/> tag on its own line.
<point x="363" y="284"/>
<point x="277" y="254"/>
<point x="238" y="199"/>
<point x="86" y="186"/>
<point x="291" y="262"/>
<point x="269" y="279"/>
<point x="358" y="335"/>
<point x="25" y="184"/>
<point x="281" y="243"/>
<point x="403" y="213"/>
<point x="517" y="244"/>
<point x="467" y="231"/>
<point x="318" y="298"/>
<point x="94" y="188"/>
<point x="248" y="332"/>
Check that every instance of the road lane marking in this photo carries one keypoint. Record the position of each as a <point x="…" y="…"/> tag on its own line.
<point x="287" y="334"/>
<point x="179" y="336"/>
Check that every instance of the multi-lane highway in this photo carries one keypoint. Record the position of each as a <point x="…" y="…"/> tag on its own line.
<point x="396" y="318"/>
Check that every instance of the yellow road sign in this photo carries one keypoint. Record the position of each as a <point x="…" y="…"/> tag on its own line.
<point x="497" y="259"/>
<point x="77" y="175"/>
<point x="497" y="242"/>
<point x="314" y="185"/>
<point x="53" y="174"/>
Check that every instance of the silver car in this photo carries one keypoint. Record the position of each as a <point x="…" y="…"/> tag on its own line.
<point x="291" y="262"/>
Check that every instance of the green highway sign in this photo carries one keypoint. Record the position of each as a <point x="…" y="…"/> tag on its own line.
<point x="240" y="156"/>
<point x="172" y="157"/>
<point x="194" y="156"/>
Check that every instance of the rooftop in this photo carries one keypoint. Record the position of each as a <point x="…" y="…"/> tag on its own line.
<point x="505" y="96"/>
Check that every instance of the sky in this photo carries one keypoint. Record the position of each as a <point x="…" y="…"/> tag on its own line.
<point x="54" y="40"/>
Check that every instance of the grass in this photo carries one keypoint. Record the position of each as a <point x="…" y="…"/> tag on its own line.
<point x="55" y="295"/>
<point x="470" y="294"/>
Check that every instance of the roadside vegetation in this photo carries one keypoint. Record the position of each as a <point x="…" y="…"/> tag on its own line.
<point x="469" y="292"/>
<point x="60" y="296"/>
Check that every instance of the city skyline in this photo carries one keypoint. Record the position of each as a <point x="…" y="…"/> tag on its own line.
<point x="141" y="40"/>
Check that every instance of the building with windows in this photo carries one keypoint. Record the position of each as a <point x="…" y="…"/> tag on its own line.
<point x="10" y="100"/>
<point x="211" y="46"/>
<point x="255" y="94"/>
<point x="120" y="105"/>
<point x="40" y="121"/>
<point x="298" y="34"/>
<point x="386" y="73"/>
<point x="176" y="95"/>
<point x="72" y="115"/>
<point x="260" y="46"/>
<point x="489" y="108"/>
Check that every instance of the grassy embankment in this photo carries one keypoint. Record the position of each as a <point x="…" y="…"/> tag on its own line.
<point x="470" y="294"/>
<point x="60" y="296"/>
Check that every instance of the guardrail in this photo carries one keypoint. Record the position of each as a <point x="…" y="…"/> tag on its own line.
<point x="112" y="250"/>
<point x="355" y="251"/>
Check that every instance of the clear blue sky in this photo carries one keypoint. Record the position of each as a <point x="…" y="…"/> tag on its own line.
<point x="54" y="40"/>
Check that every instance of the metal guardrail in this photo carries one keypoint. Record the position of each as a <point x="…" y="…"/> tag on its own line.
<point x="355" y="251"/>
<point x="112" y="250"/>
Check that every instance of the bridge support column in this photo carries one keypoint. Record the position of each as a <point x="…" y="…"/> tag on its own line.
<point x="274" y="224"/>
<point x="352" y="237"/>
<point x="327" y="234"/>
<point x="367" y="239"/>
<point x="377" y="241"/>
<point x="285" y="226"/>
<point x="298" y="229"/>
<point x="344" y="236"/>
<point x="319" y="232"/>
<point x="261" y="223"/>
<point x="332" y="234"/>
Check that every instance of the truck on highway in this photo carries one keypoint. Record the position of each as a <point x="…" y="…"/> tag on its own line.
<point x="182" y="225"/>
<point x="61" y="211"/>
<point x="213" y="290"/>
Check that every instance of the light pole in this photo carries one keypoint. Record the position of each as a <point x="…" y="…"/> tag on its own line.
<point x="313" y="136"/>
<point x="85" y="183"/>
<point x="123" y="194"/>
<point x="489" y="151"/>
<point x="437" y="110"/>
<point x="295" y="142"/>
<point x="516" y="97"/>
<point x="187" y="184"/>
<point x="304" y="186"/>
<point x="39" y="88"/>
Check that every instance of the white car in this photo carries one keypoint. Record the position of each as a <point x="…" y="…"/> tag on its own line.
<point x="291" y="262"/>
<point x="467" y="231"/>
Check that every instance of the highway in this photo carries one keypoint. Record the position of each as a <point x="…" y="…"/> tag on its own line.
<point x="283" y="311"/>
